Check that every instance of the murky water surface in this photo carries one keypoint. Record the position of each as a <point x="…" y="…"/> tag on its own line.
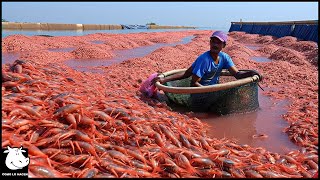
<point x="62" y="49"/>
<point x="247" y="127"/>
<point x="261" y="59"/>
<point x="253" y="46"/>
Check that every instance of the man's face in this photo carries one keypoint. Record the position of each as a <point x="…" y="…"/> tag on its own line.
<point x="216" y="45"/>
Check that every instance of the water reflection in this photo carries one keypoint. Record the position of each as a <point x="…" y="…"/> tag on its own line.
<point x="253" y="46"/>
<point x="62" y="49"/>
<point x="261" y="59"/>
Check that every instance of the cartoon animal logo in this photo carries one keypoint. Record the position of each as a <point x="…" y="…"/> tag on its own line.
<point x="15" y="159"/>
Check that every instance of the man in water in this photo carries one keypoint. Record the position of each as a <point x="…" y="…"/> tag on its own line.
<point x="206" y="69"/>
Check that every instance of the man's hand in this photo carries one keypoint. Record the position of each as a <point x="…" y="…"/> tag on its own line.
<point x="254" y="72"/>
<point x="160" y="79"/>
<point x="247" y="73"/>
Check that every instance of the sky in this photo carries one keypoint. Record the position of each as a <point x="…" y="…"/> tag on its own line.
<point x="199" y="14"/>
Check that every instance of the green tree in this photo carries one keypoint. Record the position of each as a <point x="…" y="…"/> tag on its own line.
<point x="3" y="20"/>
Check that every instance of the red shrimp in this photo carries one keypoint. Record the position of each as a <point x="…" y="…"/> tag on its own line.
<point x="137" y="156"/>
<point x="155" y="165"/>
<point x="86" y="146"/>
<point x="144" y="173"/>
<point x="135" y="128"/>
<point x="35" y="135"/>
<point x="102" y="115"/>
<point x="158" y="139"/>
<point x="79" y="135"/>
<point x="139" y="165"/>
<point x="202" y="162"/>
<point x="21" y="122"/>
<point x="170" y="135"/>
<point x="29" y="110"/>
<point x="72" y="120"/>
<point x="24" y="128"/>
<point x="237" y="173"/>
<point x="10" y="84"/>
<point x="312" y="164"/>
<point x="84" y="120"/>
<point x="204" y="144"/>
<point x="44" y="171"/>
<point x="51" y="151"/>
<point x="191" y="154"/>
<point x="88" y="173"/>
<point x="252" y="174"/>
<point x="69" y="169"/>
<point x="184" y="140"/>
<point x="173" y="167"/>
<point x="193" y="141"/>
<point x="183" y="162"/>
<point x="114" y="168"/>
<point x="271" y="174"/>
<point x="119" y="155"/>
<point x="33" y="100"/>
<point x="66" y="109"/>
<point x="293" y="161"/>
<point x="215" y="154"/>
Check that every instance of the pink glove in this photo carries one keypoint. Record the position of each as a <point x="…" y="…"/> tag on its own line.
<point x="147" y="88"/>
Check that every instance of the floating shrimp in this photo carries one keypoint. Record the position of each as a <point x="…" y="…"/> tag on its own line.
<point x="259" y="136"/>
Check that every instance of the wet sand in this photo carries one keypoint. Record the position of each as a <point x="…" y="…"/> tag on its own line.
<point x="293" y="72"/>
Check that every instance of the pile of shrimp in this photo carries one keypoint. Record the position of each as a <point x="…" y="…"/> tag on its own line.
<point x="74" y="127"/>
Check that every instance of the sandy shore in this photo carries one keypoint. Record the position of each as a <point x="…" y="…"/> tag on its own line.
<point x="292" y="74"/>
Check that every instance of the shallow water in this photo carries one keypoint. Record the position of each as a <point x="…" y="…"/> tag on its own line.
<point x="261" y="59"/>
<point x="120" y="56"/>
<point x="62" y="49"/>
<point x="253" y="46"/>
<point x="266" y="120"/>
